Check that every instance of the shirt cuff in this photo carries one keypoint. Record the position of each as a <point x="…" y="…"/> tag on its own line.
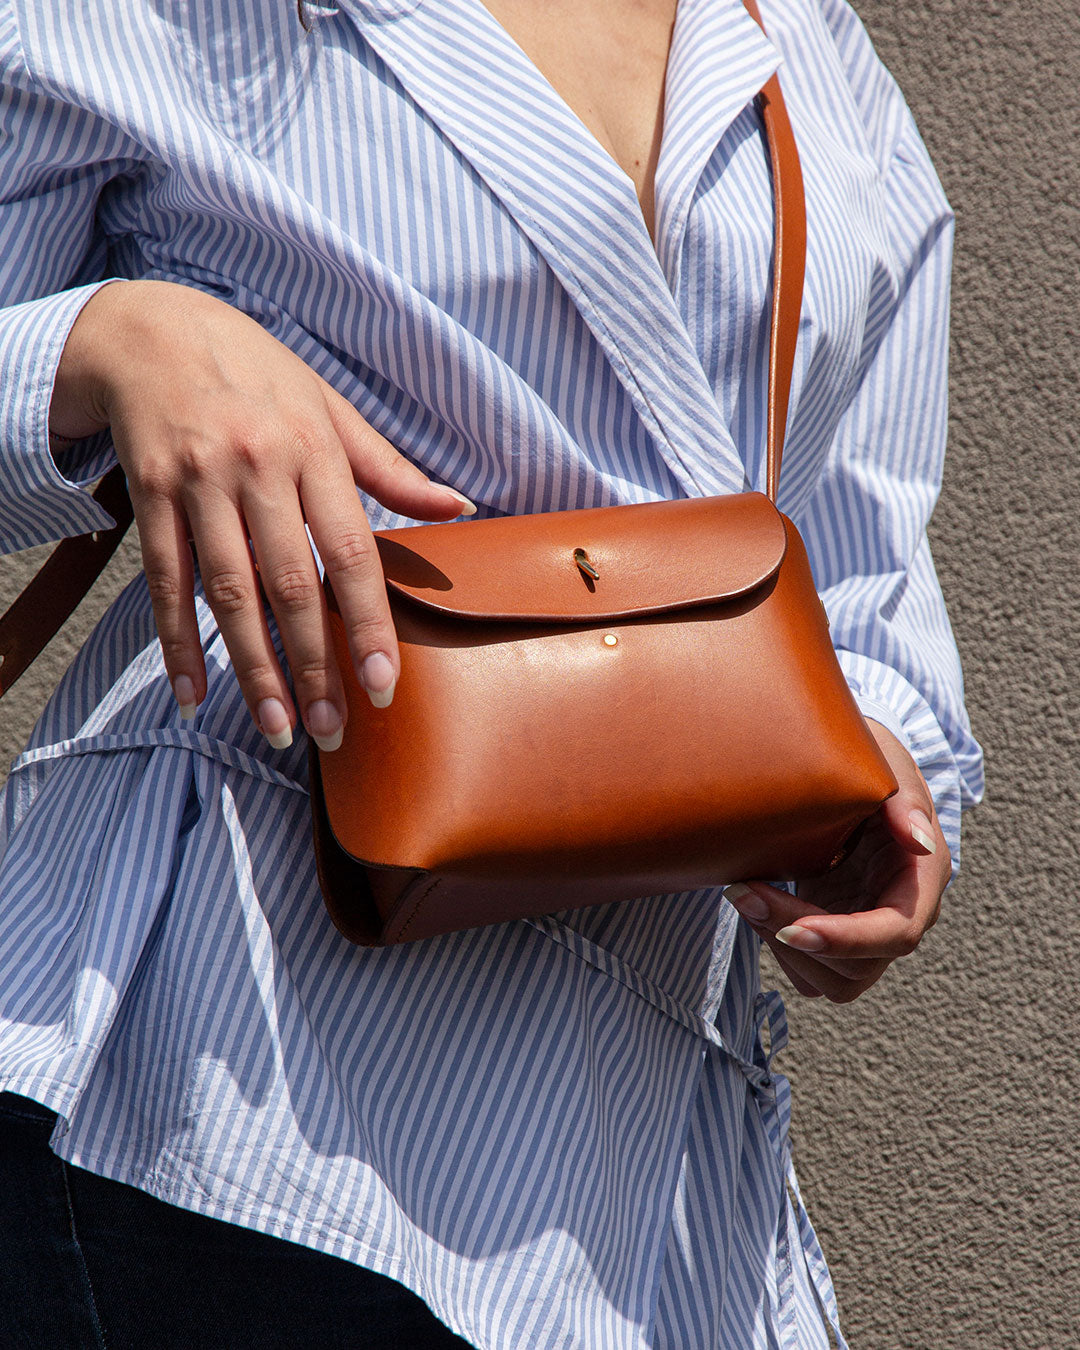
<point x="38" y="503"/>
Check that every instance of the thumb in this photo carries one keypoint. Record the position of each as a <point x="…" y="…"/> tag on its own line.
<point x="385" y="474"/>
<point x="909" y="813"/>
<point x="909" y="824"/>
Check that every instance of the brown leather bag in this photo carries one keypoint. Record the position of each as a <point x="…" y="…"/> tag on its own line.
<point x="600" y="704"/>
<point x="593" y="705"/>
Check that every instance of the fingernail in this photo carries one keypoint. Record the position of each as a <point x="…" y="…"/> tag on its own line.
<point x="802" y="939"/>
<point x="274" y="723"/>
<point x="922" y="831"/>
<point x="468" y="508"/>
<point x="324" y="724"/>
<point x="184" y="693"/>
<point x="377" y="677"/>
<point x="747" y="902"/>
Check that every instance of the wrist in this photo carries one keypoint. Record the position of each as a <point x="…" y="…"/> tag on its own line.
<point x="78" y="407"/>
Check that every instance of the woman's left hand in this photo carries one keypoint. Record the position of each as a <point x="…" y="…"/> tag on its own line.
<point x="839" y="934"/>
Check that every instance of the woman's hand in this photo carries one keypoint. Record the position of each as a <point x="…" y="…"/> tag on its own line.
<point x="228" y="437"/>
<point x="842" y="930"/>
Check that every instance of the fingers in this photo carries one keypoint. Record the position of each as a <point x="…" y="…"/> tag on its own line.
<point x="842" y="954"/>
<point x="909" y="813"/>
<point x="787" y="965"/>
<point x="910" y="825"/>
<point x="892" y="928"/>
<point x="166" y="555"/>
<point x="813" y="975"/>
<point x="272" y="515"/>
<point x="290" y="582"/>
<point x="386" y="474"/>
<point x="273" y="512"/>
<point x="269" y="500"/>
<point x="347" y="547"/>
<point x="232" y="592"/>
<point x="815" y="979"/>
<point x="771" y="911"/>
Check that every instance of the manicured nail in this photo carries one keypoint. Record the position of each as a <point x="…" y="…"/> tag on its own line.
<point x="377" y="677"/>
<point x="747" y="902"/>
<point x="184" y="693"/>
<point x="324" y="724"/>
<point x="802" y="939"/>
<point x="468" y="508"/>
<point x="274" y="723"/>
<point x="922" y="831"/>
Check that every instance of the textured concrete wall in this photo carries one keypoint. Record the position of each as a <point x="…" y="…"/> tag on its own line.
<point x="934" y="1119"/>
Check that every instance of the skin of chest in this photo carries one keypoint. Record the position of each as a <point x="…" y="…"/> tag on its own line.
<point x="607" y="59"/>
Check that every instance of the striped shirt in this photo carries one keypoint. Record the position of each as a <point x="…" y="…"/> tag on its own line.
<point x="562" y="1132"/>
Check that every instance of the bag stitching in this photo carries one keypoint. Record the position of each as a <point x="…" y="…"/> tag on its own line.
<point x="408" y="922"/>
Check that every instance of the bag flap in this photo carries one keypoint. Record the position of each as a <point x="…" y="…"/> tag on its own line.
<point x="649" y="557"/>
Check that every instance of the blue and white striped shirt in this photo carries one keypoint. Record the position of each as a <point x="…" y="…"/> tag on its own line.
<point x="562" y="1132"/>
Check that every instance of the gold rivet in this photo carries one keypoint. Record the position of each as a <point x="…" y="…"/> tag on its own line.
<point x="610" y="639"/>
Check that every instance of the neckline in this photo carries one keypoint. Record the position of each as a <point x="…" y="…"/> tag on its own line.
<point x="594" y="142"/>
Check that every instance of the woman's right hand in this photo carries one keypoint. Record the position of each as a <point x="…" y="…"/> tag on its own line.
<point x="225" y="435"/>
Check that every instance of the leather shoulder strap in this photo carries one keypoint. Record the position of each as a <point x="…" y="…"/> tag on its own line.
<point x="75" y="564"/>
<point x="70" y="570"/>
<point x="789" y="262"/>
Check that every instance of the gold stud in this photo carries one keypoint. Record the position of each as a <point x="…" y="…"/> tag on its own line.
<point x="610" y="639"/>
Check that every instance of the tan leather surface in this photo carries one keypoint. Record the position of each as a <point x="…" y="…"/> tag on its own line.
<point x="534" y="766"/>
<point x="650" y="556"/>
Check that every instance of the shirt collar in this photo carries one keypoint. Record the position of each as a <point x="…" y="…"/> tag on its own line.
<point x="578" y="206"/>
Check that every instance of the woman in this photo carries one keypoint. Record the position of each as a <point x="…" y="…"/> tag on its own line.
<point x="431" y="248"/>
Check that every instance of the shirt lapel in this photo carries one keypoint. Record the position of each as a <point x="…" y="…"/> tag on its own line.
<point x="719" y="59"/>
<point x="577" y="205"/>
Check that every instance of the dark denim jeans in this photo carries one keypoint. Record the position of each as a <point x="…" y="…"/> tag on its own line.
<point x="90" y="1264"/>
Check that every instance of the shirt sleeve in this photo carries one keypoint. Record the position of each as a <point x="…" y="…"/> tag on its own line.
<point x="865" y="524"/>
<point x="55" y="158"/>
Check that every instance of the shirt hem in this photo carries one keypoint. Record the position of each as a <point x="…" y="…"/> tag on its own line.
<point x="265" y="1219"/>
